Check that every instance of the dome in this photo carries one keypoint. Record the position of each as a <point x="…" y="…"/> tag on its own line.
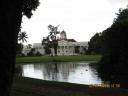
<point x="63" y="35"/>
<point x="63" y="32"/>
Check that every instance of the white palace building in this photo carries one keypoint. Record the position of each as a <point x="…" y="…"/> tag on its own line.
<point x="65" y="46"/>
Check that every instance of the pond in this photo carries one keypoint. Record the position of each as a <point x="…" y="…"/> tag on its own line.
<point x="73" y="72"/>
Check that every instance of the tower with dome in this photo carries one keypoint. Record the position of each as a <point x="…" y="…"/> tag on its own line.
<point x="63" y="35"/>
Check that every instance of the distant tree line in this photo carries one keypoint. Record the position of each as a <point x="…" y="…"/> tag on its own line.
<point x="33" y="53"/>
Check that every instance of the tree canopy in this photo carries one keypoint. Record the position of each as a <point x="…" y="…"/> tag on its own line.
<point x="114" y="62"/>
<point x="94" y="45"/>
<point x="28" y="6"/>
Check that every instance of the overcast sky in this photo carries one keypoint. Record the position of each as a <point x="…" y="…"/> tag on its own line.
<point x="81" y="19"/>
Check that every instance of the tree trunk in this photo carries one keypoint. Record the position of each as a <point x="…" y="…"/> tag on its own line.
<point x="10" y="20"/>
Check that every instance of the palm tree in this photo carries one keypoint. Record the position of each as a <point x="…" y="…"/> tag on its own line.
<point x="22" y="36"/>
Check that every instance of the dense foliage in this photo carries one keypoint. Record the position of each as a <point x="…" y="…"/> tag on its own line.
<point x="28" y="6"/>
<point x="94" y="45"/>
<point x="114" y="63"/>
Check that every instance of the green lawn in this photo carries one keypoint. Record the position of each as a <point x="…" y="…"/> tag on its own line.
<point x="41" y="59"/>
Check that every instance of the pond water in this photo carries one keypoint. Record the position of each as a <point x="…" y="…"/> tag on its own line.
<point x="73" y="72"/>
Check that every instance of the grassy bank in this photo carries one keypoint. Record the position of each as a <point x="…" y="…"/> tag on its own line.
<point x="33" y="87"/>
<point x="57" y="59"/>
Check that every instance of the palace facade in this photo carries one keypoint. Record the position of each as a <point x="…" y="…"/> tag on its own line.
<point x="65" y="46"/>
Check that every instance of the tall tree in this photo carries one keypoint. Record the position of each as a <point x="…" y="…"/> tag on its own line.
<point x="51" y="39"/>
<point x="114" y="63"/>
<point x="10" y="21"/>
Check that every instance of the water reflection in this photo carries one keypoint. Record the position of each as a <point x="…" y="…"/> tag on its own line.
<point x="78" y="72"/>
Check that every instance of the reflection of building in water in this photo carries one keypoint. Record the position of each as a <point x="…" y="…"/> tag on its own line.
<point x="66" y="69"/>
<point x="57" y="72"/>
<point x="65" y="46"/>
<point x="66" y="72"/>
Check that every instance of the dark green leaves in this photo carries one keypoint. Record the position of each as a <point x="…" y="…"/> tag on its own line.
<point x="29" y="6"/>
